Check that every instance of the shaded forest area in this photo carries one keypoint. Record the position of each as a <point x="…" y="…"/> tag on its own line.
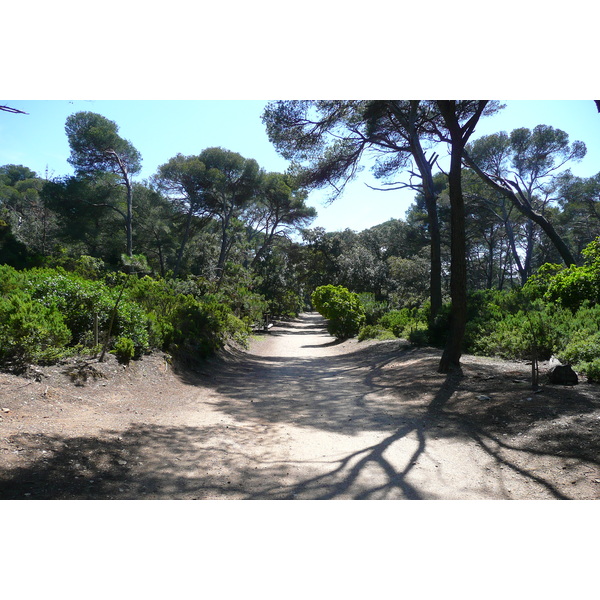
<point x="498" y="254"/>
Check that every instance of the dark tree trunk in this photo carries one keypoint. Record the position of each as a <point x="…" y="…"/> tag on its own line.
<point x="458" y="275"/>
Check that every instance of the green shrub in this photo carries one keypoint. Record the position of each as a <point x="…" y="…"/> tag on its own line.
<point x="517" y="336"/>
<point x="342" y="309"/>
<point x="31" y="332"/>
<point x="124" y="350"/>
<point x="418" y="335"/>
<point x="582" y="347"/>
<point x="591" y="370"/>
<point x="200" y="328"/>
<point x="408" y="323"/>
<point x="287" y="304"/>
<point x="81" y="301"/>
<point x="375" y="332"/>
<point x="374" y="309"/>
<point x="397" y="321"/>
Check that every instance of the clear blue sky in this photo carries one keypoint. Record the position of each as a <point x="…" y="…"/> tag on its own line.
<point x="161" y="129"/>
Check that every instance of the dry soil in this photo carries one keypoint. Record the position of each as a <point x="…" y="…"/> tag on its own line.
<point x="298" y="415"/>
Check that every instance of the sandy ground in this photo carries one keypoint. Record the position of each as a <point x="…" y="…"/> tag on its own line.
<point x="297" y="416"/>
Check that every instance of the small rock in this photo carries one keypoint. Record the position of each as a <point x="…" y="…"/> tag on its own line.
<point x="483" y="397"/>
<point x="122" y="462"/>
<point x="6" y="410"/>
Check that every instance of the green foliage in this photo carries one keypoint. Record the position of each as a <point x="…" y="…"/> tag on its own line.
<point x="96" y="145"/>
<point x="200" y="328"/>
<point x="418" y="334"/>
<point x="342" y="309"/>
<point x="190" y="324"/>
<point x="397" y="321"/>
<point x="373" y="308"/>
<point x="591" y="370"/>
<point x="582" y="347"/>
<point x="124" y="350"/>
<point x="375" y="332"/>
<point x="30" y="331"/>
<point x="408" y="323"/>
<point x="570" y="287"/>
<point x="81" y="301"/>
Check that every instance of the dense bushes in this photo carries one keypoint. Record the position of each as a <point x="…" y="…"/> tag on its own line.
<point x="556" y="313"/>
<point x="30" y="332"/>
<point x="46" y="314"/>
<point x="343" y="310"/>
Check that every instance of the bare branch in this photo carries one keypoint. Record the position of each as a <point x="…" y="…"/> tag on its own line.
<point x="13" y="110"/>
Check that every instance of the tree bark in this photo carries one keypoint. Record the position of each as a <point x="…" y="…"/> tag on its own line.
<point x="430" y="197"/>
<point x="458" y="275"/>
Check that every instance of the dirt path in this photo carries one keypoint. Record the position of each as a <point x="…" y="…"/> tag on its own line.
<point x="299" y="416"/>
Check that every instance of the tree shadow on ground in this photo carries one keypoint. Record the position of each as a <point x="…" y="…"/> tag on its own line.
<point x="388" y="388"/>
<point x="394" y="389"/>
<point x="143" y="462"/>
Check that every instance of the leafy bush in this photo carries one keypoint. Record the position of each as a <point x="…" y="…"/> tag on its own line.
<point x="419" y="334"/>
<point x="397" y="321"/>
<point x="570" y="286"/>
<point x="374" y="309"/>
<point x="30" y="331"/>
<point x="124" y="350"/>
<point x="287" y="304"/>
<point x="408" y="323"/>
<point x="81" y="301"/>
<point x="581" y="348"/>
<point x="591" y="370"/>
<point x="201" y="328"/>
<point x="375" y="332"/>
<point x="342" y="309"/>
<point x="187" y="323"/>
<point x="519" y="335"/>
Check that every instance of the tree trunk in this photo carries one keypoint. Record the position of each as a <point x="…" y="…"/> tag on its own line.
<point x="458" y="274"/>
<point x="186" y="234"/>
<point x="129" y="219"/>
<point x="224" y="248"/>
<point x="425" y="168"/>
<point x="435" y="278"/>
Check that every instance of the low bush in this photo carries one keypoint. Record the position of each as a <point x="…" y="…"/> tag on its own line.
<point x="582" y="347"/>
<point x="591" y="370"/>
<point x="342" y="309"/>
<point x="124" y="350"/>
<point x="375" y="332"/>
<point x="31" y="332"/>
<point x="373" y="308"/>
<point x="397" y="321"/>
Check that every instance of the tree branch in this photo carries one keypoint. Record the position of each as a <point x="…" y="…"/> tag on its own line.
<point x="13" y="110"/>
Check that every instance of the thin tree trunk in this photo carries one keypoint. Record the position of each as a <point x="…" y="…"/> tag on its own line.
<point x="129" y="220"/>
<point x="186" y="234"/>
